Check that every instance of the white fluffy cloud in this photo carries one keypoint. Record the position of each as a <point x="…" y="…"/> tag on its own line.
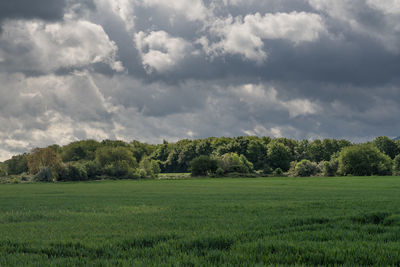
<point x="122" y="9"/>
<point x="245" y="36"/>
<point x="38" y="111"/>
<point x="48" y="47"/>
<point x="258" y="95"/>
<point x="160" y="51"/>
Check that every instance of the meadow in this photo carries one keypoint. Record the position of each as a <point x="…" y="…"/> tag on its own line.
<point x="202" y="222"/>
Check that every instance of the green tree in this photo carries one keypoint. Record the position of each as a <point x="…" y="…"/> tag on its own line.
<point x="396" y="165"/>
<point x="3" y="170"/>
<point x="149" y="168"/>
<point x="40" y="158"/>
<point x="278" y="156"/>
<point x="141" y="150"/>
<point x="73" y="172"/>
<point x="80" y="150"/>
<point x="17" y="164"/>
<point x="257" y="153"/>
<point x="203" y="165"/>
<point x="306" y="168"/>
<point x="363" y="160"/>
<point x="330" y="168"/>
<point x="117" y="161"/>
<point x="232" y="162"/>
<point x="387" y="146"/>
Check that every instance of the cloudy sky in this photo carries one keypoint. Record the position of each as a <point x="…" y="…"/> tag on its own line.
<point x="154" y="69"/>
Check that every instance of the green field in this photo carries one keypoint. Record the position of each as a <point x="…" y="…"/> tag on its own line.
<point x="193" y="222"/>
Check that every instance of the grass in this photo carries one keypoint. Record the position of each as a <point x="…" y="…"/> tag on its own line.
<point x="202" y="222"/>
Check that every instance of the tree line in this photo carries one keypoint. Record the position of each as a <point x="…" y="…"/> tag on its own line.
<point x="90" y="159"/>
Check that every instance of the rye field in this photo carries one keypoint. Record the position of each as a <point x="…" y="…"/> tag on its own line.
<point x="202" y="222"/>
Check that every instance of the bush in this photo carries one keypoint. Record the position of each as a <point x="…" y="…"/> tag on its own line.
<point x="396" y="165"/>
<point x="232" y="162"/>
<point x="73" y="172"/>
<point x="3" y="170"/>
<point x="92" y="168"/>
<point x="17" y="164"/>
<point x="330" y="168"/>
<point x="120" y="169"/>
<point x="363" y="160"/>
<point x="115" y="156"/>
<point x="149" y="168"/>
<point x="203" y="165"/>
<point x="45" y="175"/>
<point x="267" y="169"/>
<point x="306" y="168"/>
<point x="220" y="172"/>
<point x="277" y="172"/>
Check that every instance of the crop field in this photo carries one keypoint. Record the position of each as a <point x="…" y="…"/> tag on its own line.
<point x="202" y="222"/>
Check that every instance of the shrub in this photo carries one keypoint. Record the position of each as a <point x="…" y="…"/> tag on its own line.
<point x="120" y="169"/>
<point x="73" y="172"/>
<point x="203" y="165"/>
<point x="267" y="169"/>
<point x="45" y="175"/>
<point x="115" y="155"/>
<point x="17" y="164"/>
<point x="92" y="168"/>
<point x="232" y="162"/>
<point x="306" y="168"/>
<point x="330" y="168"/>
<point x="277" y="172"/>
<point x="3" y="170"/>
<point x="363" y="160"/>
<point x="396" y="165"/>
<point x="148" y="168"/>
<point x="220" y="172"/>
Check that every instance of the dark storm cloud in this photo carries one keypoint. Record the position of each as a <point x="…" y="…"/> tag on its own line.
<point x="153" y="69"/>
<point x="32" y="9"/>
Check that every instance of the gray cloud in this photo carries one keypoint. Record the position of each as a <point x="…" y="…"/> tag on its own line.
<point x="153" y="70"/>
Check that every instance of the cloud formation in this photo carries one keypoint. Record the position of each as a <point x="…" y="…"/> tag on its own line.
<point x="152" y="70"/>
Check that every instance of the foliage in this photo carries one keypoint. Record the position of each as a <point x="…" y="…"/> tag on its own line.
<point x="149" y="168"/>
<point x="3" y="169"/>
<point x="396" y="165"/>
<point x="232" y="162"/>
<point x="387" y="146"/>
<point x="45" y="175"/>
<point x="73" y="172"/>
<point x="109" y="155"/>
<point x="17" y="164"/>
<point x="81" y="150"/>
<point x="93" y="169"/>
<point x="203" y="165"/>
<point x="39" y="158"/>
<point x="141" y="150"/>
<point x="330" y="168"/>
<point x="362" y="160"/>
<point x="277" y="172"/>
<point x="278" y="156"/>
<point x="120" y="169"/>
<point x="244" y="154"/>
<point x="257" y="153"/>
<point x="306" y="168"/>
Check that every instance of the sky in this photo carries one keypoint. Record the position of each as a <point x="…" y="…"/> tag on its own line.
<point x="151" y="70"/>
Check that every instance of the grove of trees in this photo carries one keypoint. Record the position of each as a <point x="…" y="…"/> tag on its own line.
<point x="90" y="159"/>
